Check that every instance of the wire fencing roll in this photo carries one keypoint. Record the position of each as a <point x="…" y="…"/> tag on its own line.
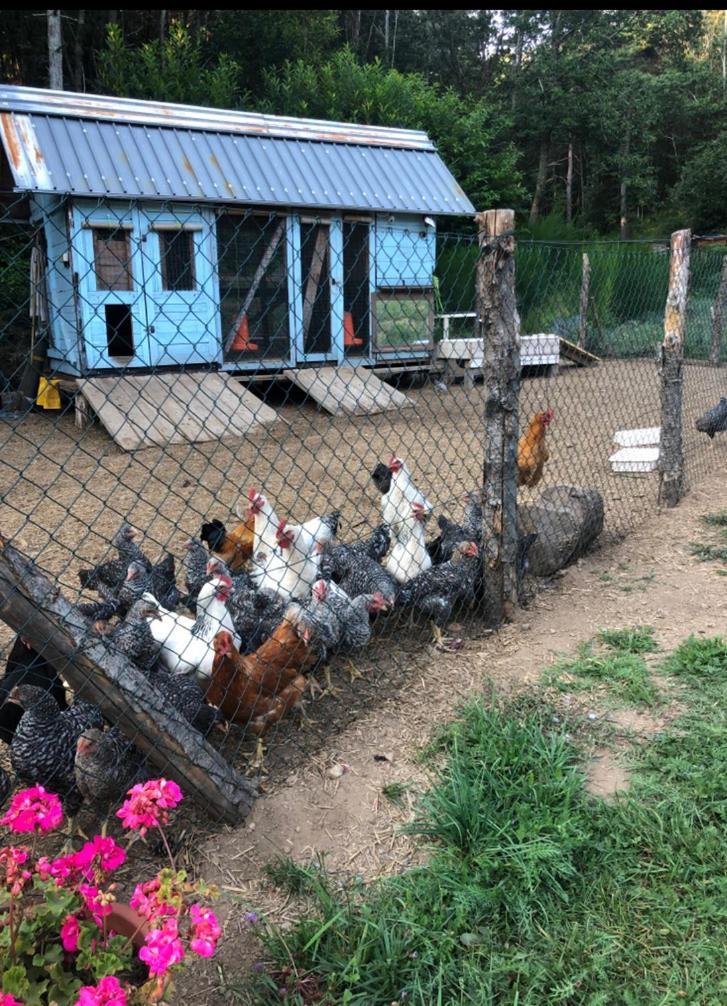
<point x="289" y="635"/>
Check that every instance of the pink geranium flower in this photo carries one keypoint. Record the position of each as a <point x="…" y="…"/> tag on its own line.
<point x="148" y="804"/>
<point x="108" y="992"/>
<point x="95" y="902"/>
<point x="70" y="931"/>
<point x="163" y="948"/>
<point x="7" y="1000"/>
<point x="33" y="809"/>
<point x="146" y="901"/>
<point x="206" y="930"/>
<point x="100" y="854"/>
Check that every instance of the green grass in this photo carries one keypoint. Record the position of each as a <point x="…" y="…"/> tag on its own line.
<point x="535" y="893"/>
<point x="706" y="551"/>
<point x="639" y="639"/>
<point x="718" y="519"/>
<point x="622" y="672"/>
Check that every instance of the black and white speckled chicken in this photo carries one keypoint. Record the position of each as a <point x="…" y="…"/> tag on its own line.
<point x="113" y="572"/>
<point x="6" y="786"/>
<point x="133" y="638"/>
<point x="355" y="614"/>
<point x="25" y="667"/>
<point x="365" y="576"/>
<point x="714" y="420"/>
<point x="317" y="619"/>
<point x="43" y="749"/>
<point x="338" y="559"/>
<point x="195" y="569"/>
<point x="436" y="591"/>
<point x="105" y="765"/>
<point x="159" y="581"/>
<point x="255" y="614"/>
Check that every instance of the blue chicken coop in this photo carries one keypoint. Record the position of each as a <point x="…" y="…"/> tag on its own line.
<point x="182" y="237"/>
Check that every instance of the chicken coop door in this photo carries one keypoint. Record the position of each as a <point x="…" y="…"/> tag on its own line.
<point x="321" y="276"/>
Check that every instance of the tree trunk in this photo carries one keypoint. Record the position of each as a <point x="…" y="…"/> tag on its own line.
<point x="31" y="604"/>
<point x="540" y="183"/>
<point x="569" y="185"/>
<point x="585" y="293"/>
<point x="162" y="26"/>
<point x="498" y="326"/>
<point x="671" y="454"/>
<point x="55" y="51"/>
<point x="717" y="313"/>
<point x="79" y="80"/>
<point x="623" y="192"/>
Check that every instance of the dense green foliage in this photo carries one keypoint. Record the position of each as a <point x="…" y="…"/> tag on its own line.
<point x="607" y="121"/>
<point x="536" y="893"/>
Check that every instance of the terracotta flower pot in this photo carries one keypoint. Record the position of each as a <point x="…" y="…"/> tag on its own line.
<point x="126" y="921"/>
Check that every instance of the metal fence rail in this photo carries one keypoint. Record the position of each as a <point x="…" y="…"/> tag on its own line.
<point x="200" y="371"/>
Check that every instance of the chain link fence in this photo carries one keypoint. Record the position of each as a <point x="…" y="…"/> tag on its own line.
<point x="300" y="402"/>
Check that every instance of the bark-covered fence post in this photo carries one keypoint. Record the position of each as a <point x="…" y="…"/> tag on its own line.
<point x="717" y="313"/>
<point x="498" y="326"/>
<point x="585" y="295"/>
<point x="671" y="455"/>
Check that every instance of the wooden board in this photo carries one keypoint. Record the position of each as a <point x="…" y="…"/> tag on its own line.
<point x="635" y="459"/>
<point x="574" y="353"/>
<point x="152" y="410"/>
<point x="349" y="391"/>
<point x="645" y="437"/>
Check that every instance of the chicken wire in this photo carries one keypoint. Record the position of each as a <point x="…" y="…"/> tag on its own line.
<point x="288" y="293"/>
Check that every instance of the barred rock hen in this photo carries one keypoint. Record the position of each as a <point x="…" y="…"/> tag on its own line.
<point x="338" y="559"/>
<point x="436" y="591"/>
<point x="366" y="576"/>
<point x="195" y="567"/>
<point x="6" y="786"/>
<point x="43" y="749"/>
<point x="714" y="420"/>
<point x="159" y="581"/>
<point x="25" y="667"/>
<point x="113" y="572"/>
<point x="106" y="765"/>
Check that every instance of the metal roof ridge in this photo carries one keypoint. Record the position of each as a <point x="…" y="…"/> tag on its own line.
<point x="18" y="98"/>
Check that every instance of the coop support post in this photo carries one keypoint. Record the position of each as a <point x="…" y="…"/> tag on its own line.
<point x="585" y="288"/>
<point x="35" y="607"/>
<point x="671" y="454"/>
<point x="717" y="313"/>
<point x="498" y="326"/>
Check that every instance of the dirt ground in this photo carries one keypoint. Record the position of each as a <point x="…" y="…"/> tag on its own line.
<point x="331" y="805"/>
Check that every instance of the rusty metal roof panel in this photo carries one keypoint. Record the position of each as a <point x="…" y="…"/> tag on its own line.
<point x="99" y="107"/>
<point x="87" y="157"/>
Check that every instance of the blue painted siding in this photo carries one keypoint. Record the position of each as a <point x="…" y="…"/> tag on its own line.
<point x="65" y="343"/>
<point x="403" y="257"/>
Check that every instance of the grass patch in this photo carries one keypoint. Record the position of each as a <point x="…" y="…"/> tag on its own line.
<point x="621" y="672"/>
<point x="395" y="792"/>
<point x="709" y="552"/>
<point x="535" y="893"/>
<point x="639" y="639"/>
<point x="718" y="519"/>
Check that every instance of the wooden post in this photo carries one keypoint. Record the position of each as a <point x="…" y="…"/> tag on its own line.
<point x="717" y="313"/>
<point x="671" y="455"/>
<point x="499" y="328"/>
<point x="31" y="604"/>
<point x="585" y="289"/>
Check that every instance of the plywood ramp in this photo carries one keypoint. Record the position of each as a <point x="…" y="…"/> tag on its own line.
<point x="576" y="354"/>
<point x="350" y="391"/>
<point x="152" y="410"/>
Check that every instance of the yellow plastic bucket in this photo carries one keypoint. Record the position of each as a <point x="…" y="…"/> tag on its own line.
<point x="48" y="396"/>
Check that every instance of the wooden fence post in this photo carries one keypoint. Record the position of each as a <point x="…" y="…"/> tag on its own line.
<point x="499" y="327"/>
<point x="31" y="604"/>
<point x="671" y="455"/>
<point x="585" y="292"/>
<point x="717" y="313"/>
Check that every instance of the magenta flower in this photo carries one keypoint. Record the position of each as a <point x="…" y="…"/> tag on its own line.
<point x="163" y="948"/>
<point x="206" y="930"/>
<point x="94" y="902"/>
<point x="145" y="900"/>
<point x="148" y="804"/>
<point x="100" y="854"/>
<point x="32" y="809"/>
<point x="70" y="931"/>
<point x="108" y="992"/>
<point x="7" y="1000"/>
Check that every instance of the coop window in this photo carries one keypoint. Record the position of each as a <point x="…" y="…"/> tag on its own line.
<point x="404" y="319"/>
<point x="177" y="254"/>
<point x="119" y="335"/>
<point x="112" y="258"/>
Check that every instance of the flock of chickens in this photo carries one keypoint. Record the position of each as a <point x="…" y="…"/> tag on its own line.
<point x="263" y="605"/>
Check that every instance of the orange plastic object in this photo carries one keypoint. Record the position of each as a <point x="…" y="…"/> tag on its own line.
<point x="241" y="343"/>
<point x="349" y="339"/>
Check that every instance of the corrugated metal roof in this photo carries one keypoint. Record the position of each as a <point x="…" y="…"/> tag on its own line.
<point x="96" y="146"/>
<point x="103" y="107"/>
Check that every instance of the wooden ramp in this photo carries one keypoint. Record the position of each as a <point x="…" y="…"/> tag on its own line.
<point x="152" y="410"/>
<point x="574" y="353"/>
<point x="347" y="391"/>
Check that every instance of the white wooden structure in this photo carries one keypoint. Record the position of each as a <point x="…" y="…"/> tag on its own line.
<point x="467" y="355"/>
<point x="639" y="450"/>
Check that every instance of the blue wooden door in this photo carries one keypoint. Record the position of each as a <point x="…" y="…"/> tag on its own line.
<point x="107" y="264"/>
<point x="179" y="261"/>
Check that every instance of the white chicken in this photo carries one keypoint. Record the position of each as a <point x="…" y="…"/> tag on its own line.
<point x="396" y="503"/>
<point x="408" y="556"/>
<point x="318" y="531"/>
<point x="185" y="644"/>
<point x="288" y="570"/>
